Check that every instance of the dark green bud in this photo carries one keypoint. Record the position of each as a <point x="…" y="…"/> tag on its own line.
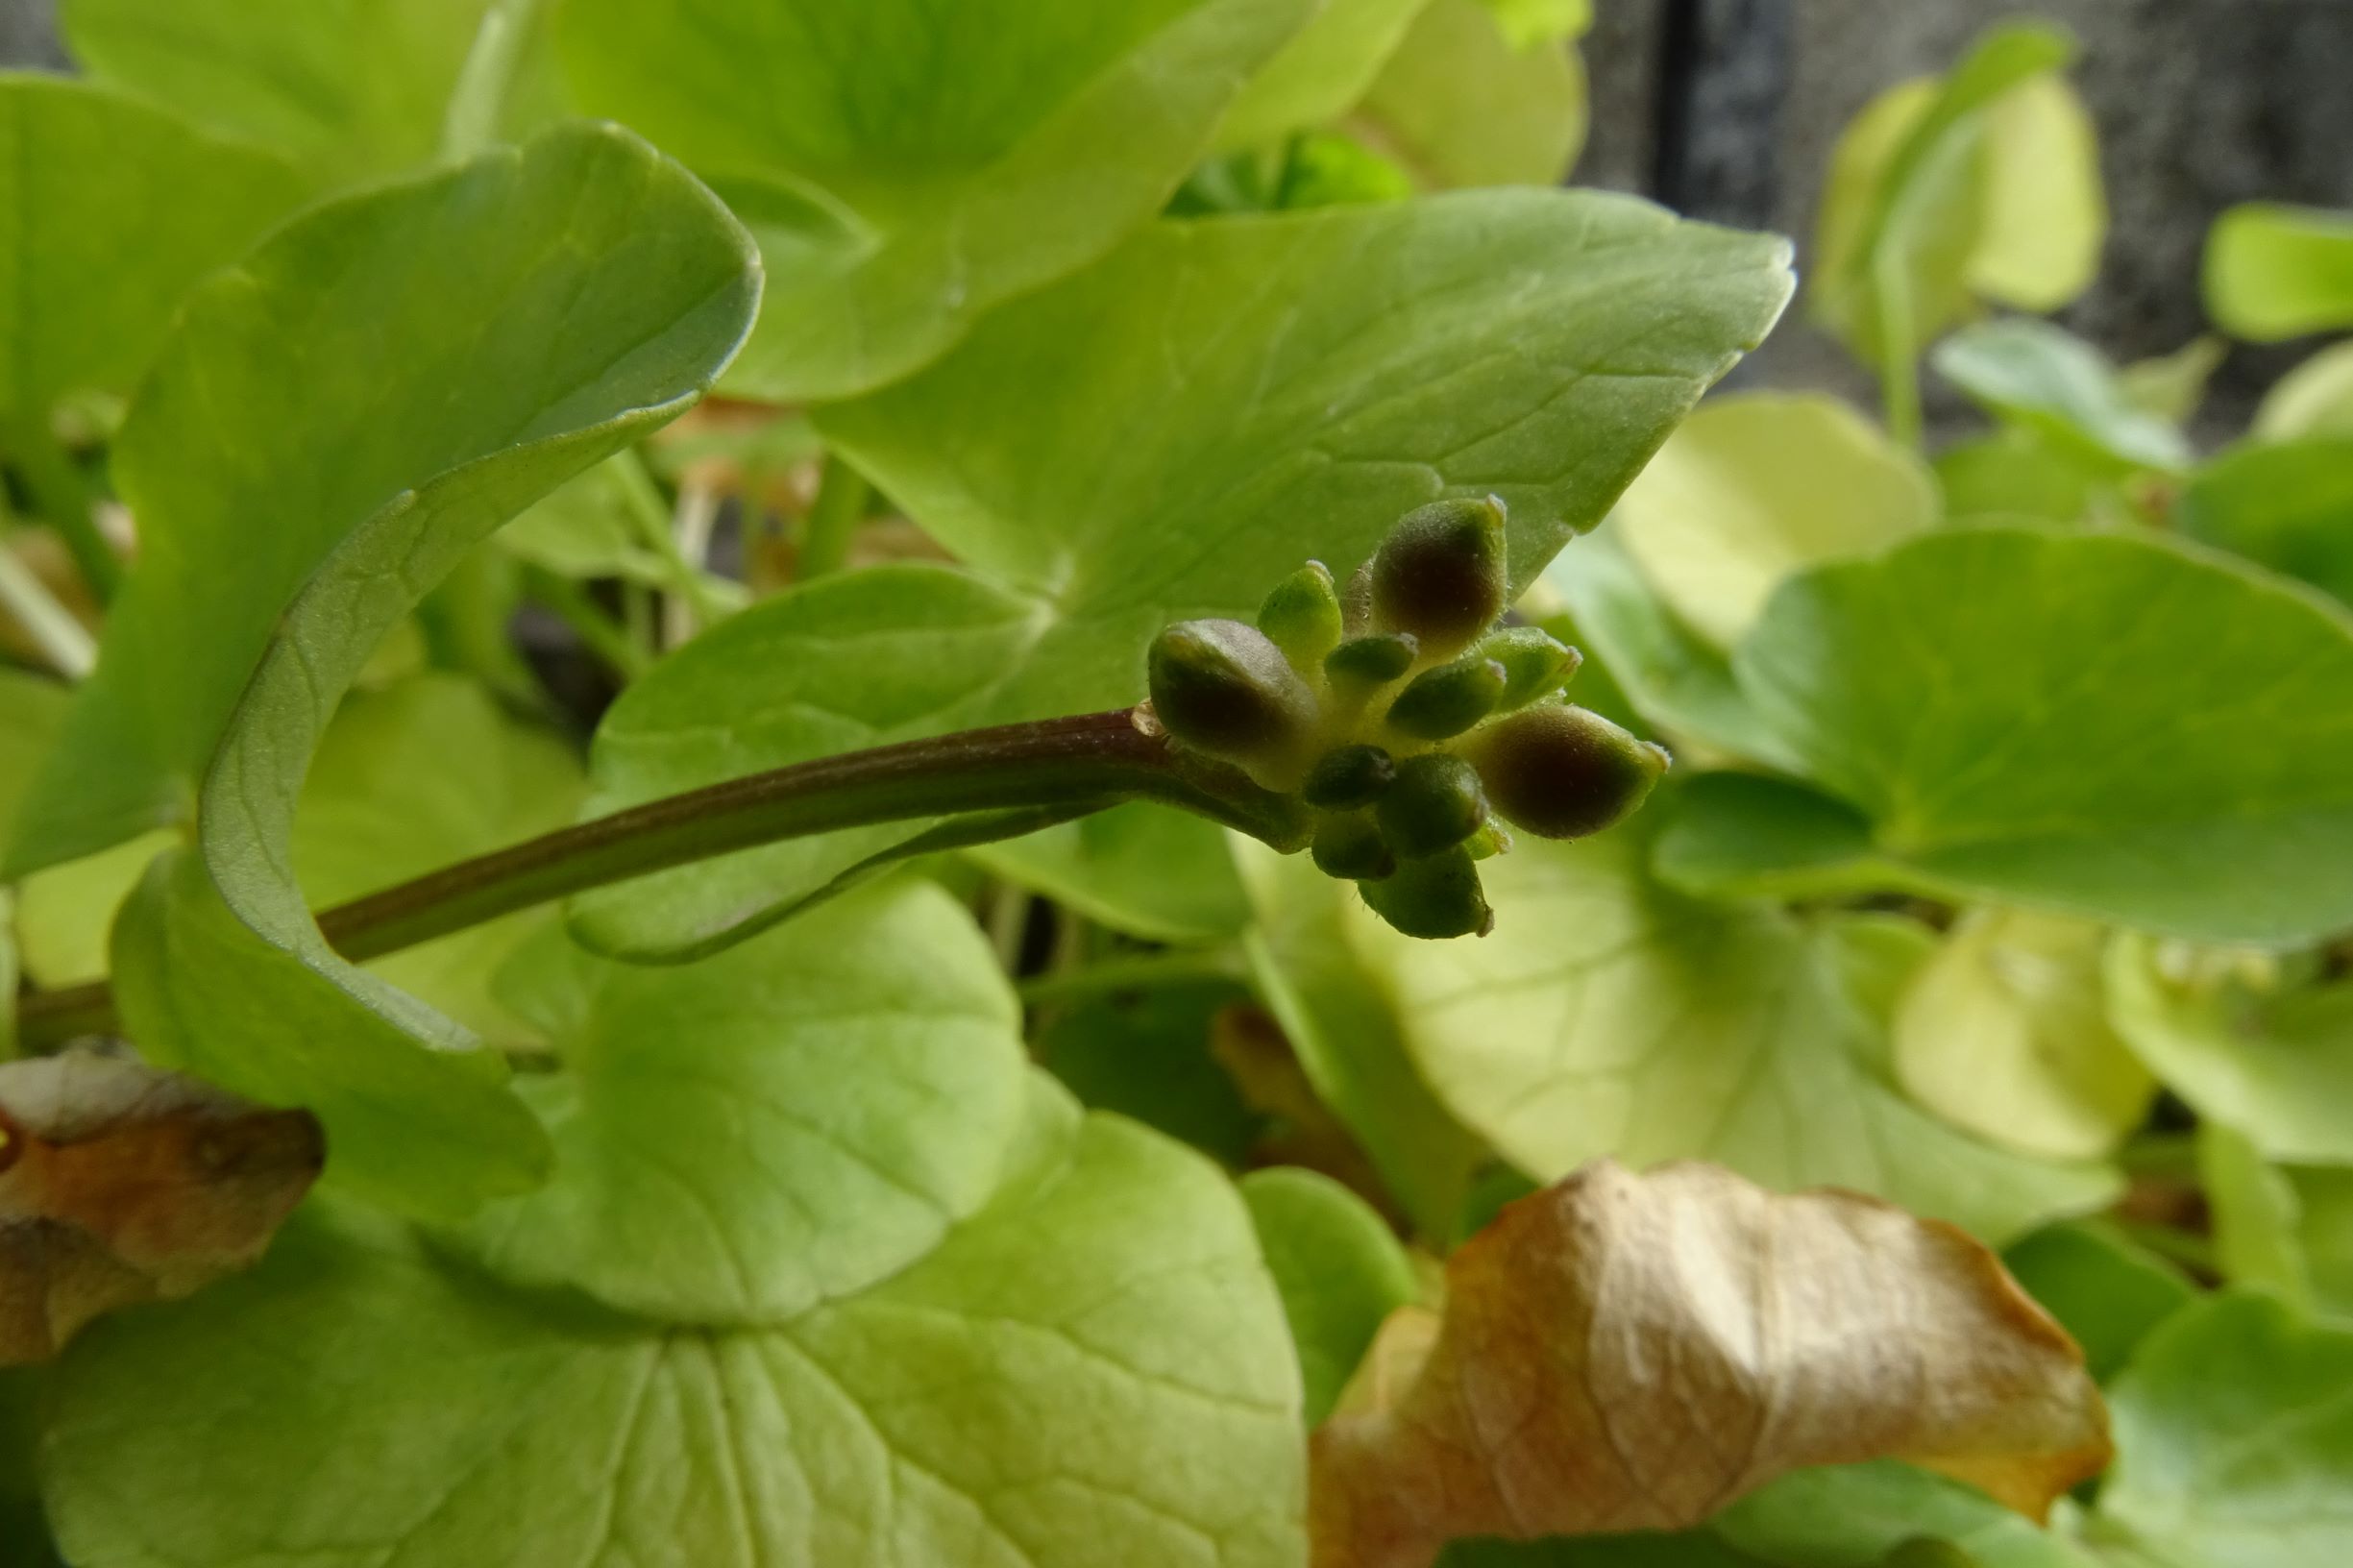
<point x="1351" y="848"/>
<point x="1441" y="575"/>
<point x="1221" y="687"/>
<point x="1449" y="699"/>
<point x="1563" y="772"/>
<point x="1348" y="776"/>
<point x="1535" y="663"/>
<point x="1361" y="664"/>
<point x="1301" y="617"/>
<point x="1435" y="896"/>
<point x="1433" y="803"/>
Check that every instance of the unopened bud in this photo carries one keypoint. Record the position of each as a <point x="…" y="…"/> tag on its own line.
<point x="1433" y="898"/>
<point x="1348" y="776"/>
<point x="1301" y="617"/>
<point x="1449" y="699"/>
<point x="1563" y="772"/>
<point x="1535" y="663"/>
<point x="1441" y="575"/>
<point x="1363" y="665"/>
<point x="1221" y="687"/>
<point x="1433" y="803"/>
<point x="1351" y="848"/>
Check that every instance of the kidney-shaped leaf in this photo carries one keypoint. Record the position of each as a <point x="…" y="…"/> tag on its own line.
<point x="2274" y="271"/>
<point x="1625" y="1352"/>
<point x="116" y="210"/>
<point x="906" y="166"/>
<point x="1091" y="1370"/>
<point x="2099" y="724"/>
<point x="1310" y="377"/>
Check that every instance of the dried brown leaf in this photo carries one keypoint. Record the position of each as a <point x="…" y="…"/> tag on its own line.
<point x="1624" y="1351"/>
<point x="121" y="1184"/>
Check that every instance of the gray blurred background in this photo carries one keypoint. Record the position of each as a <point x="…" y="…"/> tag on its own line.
<point x="1727" y="109"/>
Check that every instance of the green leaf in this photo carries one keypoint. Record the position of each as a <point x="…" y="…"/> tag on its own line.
<point x="2005" y="1032"/>
<point x="1148" y="870"/>
<point x="905" y="168"/>
<point x="1673" y="677"/>
<point x="1754" y="488"/>
<point x="2105" y="1291"/>
<point x="1459" y="104"/>
<point x="425" y="1131"/>
<point x="1527" y="23"/>
<point x="1313" y="377"/>
<point x="1683" y="1549"/>
<point x="2290" y="507"/>
<point x="1320" y="73"/>
<point x="1853" y="1516"/>
<point x="2041" y="213"/>
<point x="120" y="208"/>
<point x="1607" y="1015"/>
<point x="2313" y="399"/>
<point x="32" y="709"/>
<point x="2052" y="383"/>
<point x="1339" y="1270"/>
<point x="1347" y="1037"/>
<point x="2012" y="710"/>
<point x="867" y="1071"/>
<point x="1746" y="836"/>
<point x="2017" y="475"/>
<point x="2274" y="1061"/>
<point x="584" y="529"/>
<point x="2275" y="271"/>
<point x="351" y="90"/>
<point x="550" y="305"/>
<point x="2255" y="1214"/>
<point x="2233" y="1436"/>
<point x="1093" y="1369"/>
<point x="1145" y="1052"/>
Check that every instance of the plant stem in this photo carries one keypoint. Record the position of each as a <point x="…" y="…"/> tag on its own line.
<point x="62" y="501"/>
<point x="1010" y="779"/>
<point x="833" y="518"/>
<point x="479" y="102"/>
<point x="51" y="627"/>
<point x="655" y="526"/>
<point x="571" y="605"/>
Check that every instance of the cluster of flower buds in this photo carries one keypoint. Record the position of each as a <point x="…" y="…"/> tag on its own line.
<point x="1413" y="725"/>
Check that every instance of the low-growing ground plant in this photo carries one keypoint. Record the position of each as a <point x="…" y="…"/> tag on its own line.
<point x="793" y="781"/>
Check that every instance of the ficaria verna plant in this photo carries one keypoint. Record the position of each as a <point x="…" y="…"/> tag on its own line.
<point x="793" y="782"/>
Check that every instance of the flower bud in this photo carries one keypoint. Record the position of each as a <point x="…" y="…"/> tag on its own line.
<point x="1348" y="776"/>
<point x="1441" y="575"/>
<point x="1301" y="617"/>
<point x="1361" y="664"/>
<point x="1433" y="803"/>
<point x="1449" y="699"/>
<point x="1435" y="896"/>
<point x="1221" y="687"/>
<point x="1351" y="848"/>
<point x="1563" y="772"/>
<point x="1535" y="663"/>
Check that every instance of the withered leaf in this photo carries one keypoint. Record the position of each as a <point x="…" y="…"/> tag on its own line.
<point x="122" y="1183"/>
<point x="1623" y="1352"/>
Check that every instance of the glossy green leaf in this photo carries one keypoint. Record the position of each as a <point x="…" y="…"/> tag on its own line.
<point x="1347" y="1037"/>
<point x="2272" y="1060"/>
<point x="786" y="1124"/>
<point x="118" y="209"/>
<point x="2275" y="272"/>
<point x="1320" y="73"/>
<point x="2290" y="507"/>
<point x="1753" y="488"/>
<point x="1144" y="1053"/>
<point x="1151" y="871"/>
<point x="2105" y="1291"/>
<point x="2234" y="1435"/>
<point x="1608" y="1015"/>
<point x="1338" y="1267"/>
<point x="2017" y="475"/>
<point x="2313" y="399"/>
<point x="1730" y="835"/>
<point x="425" y="1131"/>
<point x="550" y="305"/>
<point x="1093" y="1369"/>
<point x="1853" y="1516"/>
<point x="2005" y="1032"/>
<point x="1459" y="104"/>
<point x="906" y="168"/>
<point x="2012" y="710"/>
<point x="2049" y="380"/>
<point x="351" y="89"/>
<point x="1313" y="377"/>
